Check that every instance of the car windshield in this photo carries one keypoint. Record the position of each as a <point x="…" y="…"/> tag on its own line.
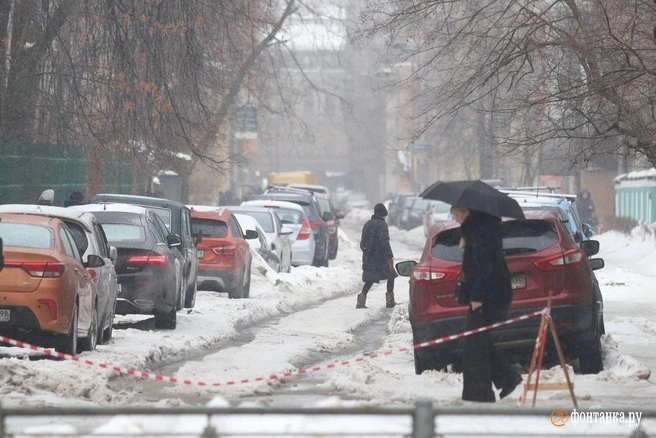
<point x="263" y="218"/>
<point x="519" y="237"/>
<point x="324" y="205"/>
<point x="165" y="214"/>
<point x="209" y="227"/>
<point x="26" y="236"/>
<point x="79" y="236"/>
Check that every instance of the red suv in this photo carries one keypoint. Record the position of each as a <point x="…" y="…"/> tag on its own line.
<point x="542" y="257"/>
<point x="224" y="256"/>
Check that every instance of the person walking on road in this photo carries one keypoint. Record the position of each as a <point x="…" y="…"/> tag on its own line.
<point x="489" y="293"/>
<point x="377" y="257"/>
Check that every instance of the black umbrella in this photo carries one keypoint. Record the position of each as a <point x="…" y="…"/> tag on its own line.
<point x="474" y="195"/>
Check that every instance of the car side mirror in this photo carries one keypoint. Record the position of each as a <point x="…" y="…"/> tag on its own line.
<point x="590" y="247"/>
<point x="405" y="268"/>
<point x="339" y="215"/>
<point x="251" y="234"/>
<point x="327" y="216"/>
<point x="173" y="240"/>
<point x="113" y="254"/>
<point x="596" y="264"/>
<point x="285" y="231"/>
<point x="94" y="261"/>
<point x="198" y="238"/>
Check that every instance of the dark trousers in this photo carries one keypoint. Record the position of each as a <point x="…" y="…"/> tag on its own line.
<point x="482" y="364"/>
<point x="368" y="284"/>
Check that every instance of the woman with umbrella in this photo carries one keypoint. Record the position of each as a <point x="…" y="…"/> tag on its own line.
<point x="478" y="210"/>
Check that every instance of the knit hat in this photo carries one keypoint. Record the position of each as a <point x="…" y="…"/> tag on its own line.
<point x="380" y="210"/>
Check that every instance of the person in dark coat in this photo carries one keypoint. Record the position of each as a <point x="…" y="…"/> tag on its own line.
<point x="586" y="209"/>
<point x="377" y="257"/>
<point x="489" y="292"/>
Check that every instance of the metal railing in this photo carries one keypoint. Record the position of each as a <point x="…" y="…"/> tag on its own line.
<point x="422" y="420"/>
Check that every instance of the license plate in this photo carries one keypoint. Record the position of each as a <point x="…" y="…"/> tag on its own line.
<point x="5" y="315"/>
<point x="201" y="253"/>
<point x="518" y="281"/>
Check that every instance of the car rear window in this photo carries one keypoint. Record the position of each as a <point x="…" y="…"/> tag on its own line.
<point x="26" y="236"/>
<point x="209" y="227"/>
<point x="289" y="216"/>
<point x="519" y="237"/>
<point x="124" y="232"/>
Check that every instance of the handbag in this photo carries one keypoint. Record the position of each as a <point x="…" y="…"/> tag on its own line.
<point x="460" y="293"/>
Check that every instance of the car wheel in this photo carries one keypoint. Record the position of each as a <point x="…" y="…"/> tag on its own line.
<point x="246" y="293"/>
<point x="190" y="296"/>
<point x="426" y="359"/>
<point x="67" y="343"/>
<point x="238" y="291"/>
<point x="89" y="343"/>
<point x="182" y="293"/>
<point x="109" y="331"/>
<point x="166" y="321"/>
<point x="591" y="356"/>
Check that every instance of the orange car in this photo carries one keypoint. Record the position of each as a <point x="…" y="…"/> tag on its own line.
<point x="224" y="256"/>
<point x="43" y="281"/>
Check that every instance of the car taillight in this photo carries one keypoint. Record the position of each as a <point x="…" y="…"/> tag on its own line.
<point x="559" y="261"/>
<point x="40" y="269"/>
<point x="316" y="227"/>
<point x="426" y="275"/>
<point x="305" y="232"/>
<point x="225" y="249"/>
<point x="149" y="260"/>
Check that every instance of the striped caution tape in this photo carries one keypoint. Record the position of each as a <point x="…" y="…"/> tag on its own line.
<point x="298" y="372"/>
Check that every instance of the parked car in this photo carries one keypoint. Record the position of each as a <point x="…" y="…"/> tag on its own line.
<point x="580" y="230"/>
<point x="261" y="245"/>
<point x="277" y="234"/>
<point x="357" y="200"/>
<point x="293" y="216"/>
<point x="90" y="239"/>
<point x="438" y="212"/>
<point x="225" y="256"/>
<point x="331" y="216"/>
<point x="542" y="258"/>
<point x="403" y="212"/>
<point x="413" y="216"/>
<point x="396" y="208"/>
<point x="150" y="270"/>
<point x="176" y="218"/>
<point x="44" y="282"/>
<point x="312" y="210"/>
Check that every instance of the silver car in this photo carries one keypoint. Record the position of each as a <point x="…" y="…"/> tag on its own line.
<point x="278" y="234"/>
<point x="293" y="216"/>
<point x="96" y="316"/>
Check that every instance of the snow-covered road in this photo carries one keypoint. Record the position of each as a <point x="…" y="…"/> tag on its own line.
<point x="308" y="318"/>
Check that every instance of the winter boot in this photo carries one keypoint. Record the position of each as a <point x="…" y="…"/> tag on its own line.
<point x="362" y="299"/>
<point x="389" y="300"/>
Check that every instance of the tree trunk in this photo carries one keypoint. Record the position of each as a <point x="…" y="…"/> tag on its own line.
<point x="94" y="171"/>
<point x="5" y="10"/>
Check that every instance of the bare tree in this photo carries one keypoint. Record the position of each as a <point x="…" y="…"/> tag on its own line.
<point x="571" y="75"/>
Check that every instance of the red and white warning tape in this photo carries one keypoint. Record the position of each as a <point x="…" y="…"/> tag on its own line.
<point x="297" y="372"/>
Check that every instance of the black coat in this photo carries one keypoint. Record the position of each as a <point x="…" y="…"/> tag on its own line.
<point x="486" y="274"/>
<point x="376" y="251"/>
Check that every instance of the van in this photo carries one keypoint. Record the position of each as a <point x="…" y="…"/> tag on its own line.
<point x="177" y="219"/>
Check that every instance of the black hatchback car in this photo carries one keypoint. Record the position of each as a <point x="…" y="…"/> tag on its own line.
<point x="148" y="267"/>
<point x="178" y="222"/>
<point x="311" y="207"/>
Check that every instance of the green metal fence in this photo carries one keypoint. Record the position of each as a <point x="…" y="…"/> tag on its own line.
<point x="28" y="169"/>
<point x="634" y="193"/>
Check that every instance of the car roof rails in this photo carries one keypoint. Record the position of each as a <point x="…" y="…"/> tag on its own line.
<point x="530" y="194"/>
<point x="288" y="189"/>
